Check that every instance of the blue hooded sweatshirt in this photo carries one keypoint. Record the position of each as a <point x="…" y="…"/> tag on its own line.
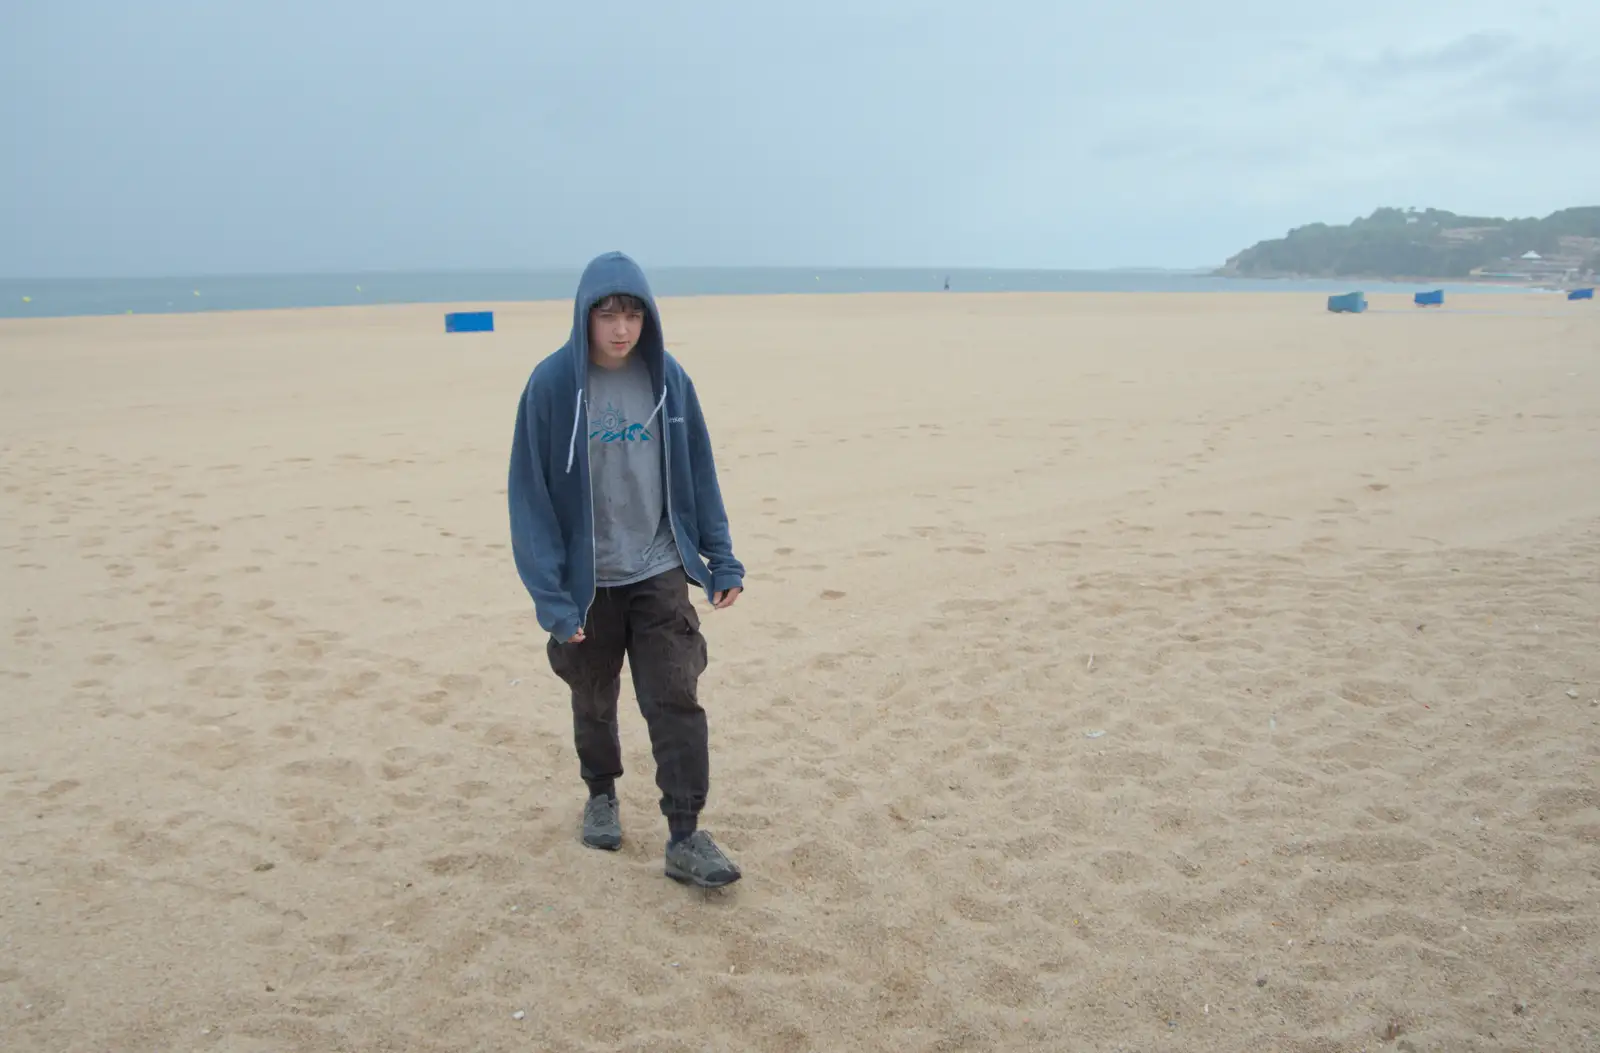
<point x="549" y="492"/>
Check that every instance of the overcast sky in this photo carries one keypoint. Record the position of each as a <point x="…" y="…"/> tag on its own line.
<point x="227" y="136"/>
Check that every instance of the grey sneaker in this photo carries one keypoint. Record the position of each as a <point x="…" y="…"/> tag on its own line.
<point x="601" y="827"/>
<point x="696" y="860"/>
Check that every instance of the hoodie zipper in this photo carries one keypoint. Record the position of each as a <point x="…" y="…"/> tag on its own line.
<point x="666" y="454"/>
<point x="594" y="551"/>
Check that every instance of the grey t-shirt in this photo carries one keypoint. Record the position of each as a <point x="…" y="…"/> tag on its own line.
<point x="632" y="539"/>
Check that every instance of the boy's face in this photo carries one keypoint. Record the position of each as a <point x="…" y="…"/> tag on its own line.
<point x="614" y="330"/>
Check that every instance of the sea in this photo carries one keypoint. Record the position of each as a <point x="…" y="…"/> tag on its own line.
<point x="65" y="297"/>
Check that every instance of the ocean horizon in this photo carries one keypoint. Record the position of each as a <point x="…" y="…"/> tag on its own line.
<point x="72" y="297"/>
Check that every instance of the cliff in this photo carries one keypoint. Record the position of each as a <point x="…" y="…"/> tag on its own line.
<point x="1561" y="248"/>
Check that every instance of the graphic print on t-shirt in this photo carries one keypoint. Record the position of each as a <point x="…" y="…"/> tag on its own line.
<point x="612" y="425"/>
<point x="632" y="538"/>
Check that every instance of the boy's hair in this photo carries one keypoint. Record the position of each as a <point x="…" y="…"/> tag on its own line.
<point x="619" y="302"/>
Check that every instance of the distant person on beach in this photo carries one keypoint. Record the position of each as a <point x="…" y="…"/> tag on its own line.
<point x="615" y="510"/>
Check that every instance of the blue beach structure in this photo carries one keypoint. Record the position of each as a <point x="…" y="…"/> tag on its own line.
<point x="469" y="322"/>
<point x="1581" y="294"/>
<point x="1434" y="298"/>
<point x="1348" y="303"/>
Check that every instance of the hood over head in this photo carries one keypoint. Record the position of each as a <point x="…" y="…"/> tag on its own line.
<point x="607" y="275"/>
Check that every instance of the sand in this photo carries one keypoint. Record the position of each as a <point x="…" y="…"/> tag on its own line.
<point x="1116" y="673"/>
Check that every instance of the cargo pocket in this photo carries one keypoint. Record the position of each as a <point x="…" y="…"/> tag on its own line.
<point x="556" y="653"/>
<point x="693" y="643"/>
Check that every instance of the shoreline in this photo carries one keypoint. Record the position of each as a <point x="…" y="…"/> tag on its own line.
<point x="1205" y="287"/>
<point x="1434" y="282"/>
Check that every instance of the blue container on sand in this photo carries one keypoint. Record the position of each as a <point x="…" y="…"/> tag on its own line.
<point x="1429" y="299"/>
<point x="469" y="322"/>
<point x="1348" y="303"/>
<point x="1581" y="294"/>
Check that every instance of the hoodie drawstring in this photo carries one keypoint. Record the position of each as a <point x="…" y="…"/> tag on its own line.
<point x="653" y="412"/>
<point x="572" y="443"/>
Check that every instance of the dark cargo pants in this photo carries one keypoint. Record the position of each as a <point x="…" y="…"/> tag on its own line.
<point x="654" y="624"/>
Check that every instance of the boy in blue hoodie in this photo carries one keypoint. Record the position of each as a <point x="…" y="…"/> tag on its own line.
<point x="615" y="510"/>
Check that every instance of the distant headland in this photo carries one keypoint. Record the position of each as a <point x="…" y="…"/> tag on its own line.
<point x="1406" y="244"/>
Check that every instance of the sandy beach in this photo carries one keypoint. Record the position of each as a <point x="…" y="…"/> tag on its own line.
<point x="1115" y="673"/>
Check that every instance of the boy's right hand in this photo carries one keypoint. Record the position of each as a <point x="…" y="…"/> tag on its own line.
<point x="577" y="637"/>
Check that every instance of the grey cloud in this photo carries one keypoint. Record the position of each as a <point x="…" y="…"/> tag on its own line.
<point x="1547" y="87"/>
<point x="1461" y="55"/>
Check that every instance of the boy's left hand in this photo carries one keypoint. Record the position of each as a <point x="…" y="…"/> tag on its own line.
<point x="725" y="598"/>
